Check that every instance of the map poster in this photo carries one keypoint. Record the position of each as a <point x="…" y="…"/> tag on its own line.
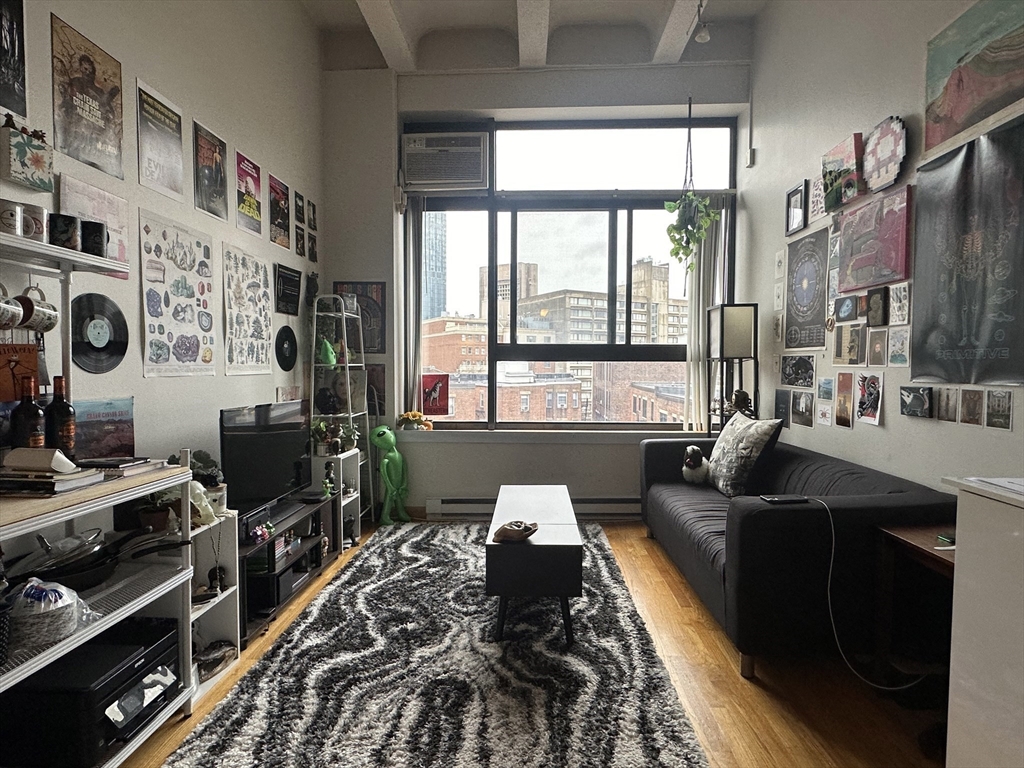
<point x="12" y="58"/>
<point x="806" y="288"/>
<point x="249" y="197"/>
<point x="280" y="213"/>
<point x="88" y="202"/>
<point x="104" y="428"/>
<point x="969" y="264"/>
<point x="178" y="290"/>
<point x="87" y="123"/>
<point x="161" y="161"/>
<point x="211" y="183"/>
<point x="247" y="309"/>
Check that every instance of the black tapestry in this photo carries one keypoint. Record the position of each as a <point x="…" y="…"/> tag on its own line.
<point x="969" y="264"/>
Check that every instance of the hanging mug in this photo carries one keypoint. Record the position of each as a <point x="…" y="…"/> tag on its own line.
<point x="10" y="310"/>
<point x="39" y="314"/>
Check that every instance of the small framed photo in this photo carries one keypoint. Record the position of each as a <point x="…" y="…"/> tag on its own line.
<point x="796" y="208"/>
<point x="351" y="305"/>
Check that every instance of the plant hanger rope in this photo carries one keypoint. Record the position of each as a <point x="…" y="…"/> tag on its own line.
<point x="693" y="213"/>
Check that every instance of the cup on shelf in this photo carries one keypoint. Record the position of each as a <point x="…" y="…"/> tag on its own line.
<point x="40" y="229"/>
<point x="66" y="231"/>
<point x="10" y="310"/>
<point x="38" y="314"/>
<point x="94" y="238"/>
<point x="11" y="217"/>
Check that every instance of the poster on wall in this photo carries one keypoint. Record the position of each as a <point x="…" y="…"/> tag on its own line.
<point x="435" y="394"/>
<point x="286" y="289"/>
<point x="806" y="287"/>
<point x="311" y="246"/>
<point x="844" y="400"/>
<point x="12" y="59"/>
<point x="373" y="309"/>
<point x="375" y="380"/>
<point x="248" y="215"/>
<point x="975" y="68"/>
<point x="869" y="397"/>
<point x="247" y="312"/>
<point x="88" y="202"/>
<point x="874" y="242"/>
<point x="841" y="173"/>
<point x="280" y="212"/>
<point x="969" y="264"/>
<point x="16" y="361"/>
<point x="161" y="160"/>
<point x="210" y="182"/>
<point x="179" y="337"/>
<point x="300" y="209"/>
<point x="104" y="428"/>
<point x="87" y="123"/>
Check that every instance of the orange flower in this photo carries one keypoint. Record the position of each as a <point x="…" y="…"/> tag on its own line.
<point x="37" y="161"/>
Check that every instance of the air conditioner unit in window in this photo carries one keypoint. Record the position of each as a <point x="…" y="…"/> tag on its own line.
<point x="439" y="162"/>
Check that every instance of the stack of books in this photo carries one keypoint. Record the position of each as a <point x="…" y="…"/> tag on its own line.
<point x="122" y="466"/>
<point x="34" y="482"/>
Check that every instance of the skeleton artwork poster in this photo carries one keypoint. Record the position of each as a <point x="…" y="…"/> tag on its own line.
<point x="87" y="122"/>
<point x="247" y="313"/>
<point x="178" y="290"/>
<point x="435" y="394"/>
<point x="969" y="264"/>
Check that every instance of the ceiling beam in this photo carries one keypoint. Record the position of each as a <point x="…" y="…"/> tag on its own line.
<point x="533" y="18"/>
<point x="676" y="33"/>
<point x="382" y="19"/>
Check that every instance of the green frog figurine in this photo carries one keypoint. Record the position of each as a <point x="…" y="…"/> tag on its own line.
<point x="392" y="469"/>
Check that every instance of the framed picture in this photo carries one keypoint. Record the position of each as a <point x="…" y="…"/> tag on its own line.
<point x="370" y="297"/>
<point x="796" y="208"/>
<point x="916" y="401"/>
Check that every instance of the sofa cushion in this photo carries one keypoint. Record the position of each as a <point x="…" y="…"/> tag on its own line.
<point x="740" y="444"/>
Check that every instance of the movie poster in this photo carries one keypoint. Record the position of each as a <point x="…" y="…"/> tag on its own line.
<point x="373" y="309"/>
<point x="12" y="58"/>
<point x="248" y="216"/>
<point x="161" y="160"/>
<point x="88" y="202"/>
<point x="86" y="100"/>
<point x="247" y="310"/>
<point x="280" y="214"/>
<point x="806" y="288"/>
<point x="210" y="182"/>
<point x="178" y="290"/>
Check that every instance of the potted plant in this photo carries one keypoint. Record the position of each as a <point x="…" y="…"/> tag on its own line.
<point x="204" y="468"/>
<point x="349" y="436"/>
<point x="414" y="420"/>
<point x="688" y="231"/>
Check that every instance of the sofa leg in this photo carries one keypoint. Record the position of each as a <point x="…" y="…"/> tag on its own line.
<point x="746" y="665"/>
<point x="650" y="533"/>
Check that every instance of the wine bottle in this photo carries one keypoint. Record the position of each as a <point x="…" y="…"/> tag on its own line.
<point x="28" y="424"/>
<point x="60" y="421"/>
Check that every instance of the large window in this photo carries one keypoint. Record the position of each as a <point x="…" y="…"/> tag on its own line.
<point x="563" y="275"/>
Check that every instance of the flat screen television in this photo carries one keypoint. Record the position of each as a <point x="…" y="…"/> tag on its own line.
<point x="264" y="453"/>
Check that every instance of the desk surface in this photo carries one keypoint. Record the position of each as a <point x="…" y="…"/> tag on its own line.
<point x="923" y="540"/>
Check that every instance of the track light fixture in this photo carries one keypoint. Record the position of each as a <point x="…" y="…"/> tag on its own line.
<point x="703" y="35"/>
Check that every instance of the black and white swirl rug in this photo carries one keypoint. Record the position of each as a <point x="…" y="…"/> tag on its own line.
<point x="394" y="664"/>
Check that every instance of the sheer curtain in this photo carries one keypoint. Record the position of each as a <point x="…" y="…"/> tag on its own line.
<point x="411" y="395"/>
<point x="705" y="288"/>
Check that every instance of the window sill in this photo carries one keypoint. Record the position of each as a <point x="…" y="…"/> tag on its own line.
<point x="539" y="436"/>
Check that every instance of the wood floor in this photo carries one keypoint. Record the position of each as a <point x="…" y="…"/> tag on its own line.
<point x="808" y="714"/>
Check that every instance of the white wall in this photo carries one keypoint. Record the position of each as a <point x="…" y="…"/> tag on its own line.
<point x="249" y="71"/>
<point x="823" y="71"/>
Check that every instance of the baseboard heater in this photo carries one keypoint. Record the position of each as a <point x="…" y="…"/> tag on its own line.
<point x="588" y="510"/>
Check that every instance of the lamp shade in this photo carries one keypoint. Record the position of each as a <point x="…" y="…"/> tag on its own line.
<point x="732" y="331"/>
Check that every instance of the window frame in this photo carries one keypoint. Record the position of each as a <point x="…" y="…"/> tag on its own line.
<point x="495" y="203"/>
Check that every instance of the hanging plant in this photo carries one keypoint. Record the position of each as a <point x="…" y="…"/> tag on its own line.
<point x="693" y="212"/>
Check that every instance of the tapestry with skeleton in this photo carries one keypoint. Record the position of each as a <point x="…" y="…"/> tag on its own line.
<point x="969" y="264"/>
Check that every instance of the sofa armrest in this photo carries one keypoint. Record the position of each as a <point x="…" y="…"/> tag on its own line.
<point x="777" y="561"/>
<point x="661" y="461"/>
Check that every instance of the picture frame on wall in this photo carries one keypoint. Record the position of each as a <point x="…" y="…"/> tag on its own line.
<point x="796" y="208"/>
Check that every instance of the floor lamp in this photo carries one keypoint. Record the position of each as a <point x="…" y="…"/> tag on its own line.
<point x="732" y="339"/>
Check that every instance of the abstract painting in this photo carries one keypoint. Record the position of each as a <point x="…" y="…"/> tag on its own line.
<point x="873" y="242"/>
<point x="975" y="68"/>
<point x="841" y="172"/>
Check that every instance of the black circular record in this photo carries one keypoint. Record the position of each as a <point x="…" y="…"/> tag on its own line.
<point x="99" y="333"/>
<point x="286" y="348"/>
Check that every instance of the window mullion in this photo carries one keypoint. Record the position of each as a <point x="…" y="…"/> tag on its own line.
<point x="628" y="303"/>
<point x="492" y="318"/>
<point x="613" y="260"/>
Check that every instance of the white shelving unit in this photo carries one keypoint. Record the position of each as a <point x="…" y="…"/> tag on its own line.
<point x="347" y="471"/>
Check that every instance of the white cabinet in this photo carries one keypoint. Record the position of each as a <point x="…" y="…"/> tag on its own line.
<point x="986" y="664"/>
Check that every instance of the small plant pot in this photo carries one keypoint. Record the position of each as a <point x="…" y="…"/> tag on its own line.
<point x="157" y="518"/>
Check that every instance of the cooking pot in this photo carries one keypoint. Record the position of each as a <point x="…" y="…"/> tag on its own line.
<point x="50" y="554"/>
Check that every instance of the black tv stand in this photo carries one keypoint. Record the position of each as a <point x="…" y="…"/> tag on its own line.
<point x="274" y="571"/>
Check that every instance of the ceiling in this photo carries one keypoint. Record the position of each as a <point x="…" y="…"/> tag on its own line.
<point x="420" y="35"/>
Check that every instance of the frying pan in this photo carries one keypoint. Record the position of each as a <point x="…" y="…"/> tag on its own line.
<point x="87" y="576"/>
<point x="50" y="554"/>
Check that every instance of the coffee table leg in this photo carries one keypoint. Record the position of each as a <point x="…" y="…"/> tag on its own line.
<point x="567" y="620"/>
<point x="502" y="607"/>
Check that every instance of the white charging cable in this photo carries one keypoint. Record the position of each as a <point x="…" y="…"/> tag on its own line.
<point x="835" y="633"/>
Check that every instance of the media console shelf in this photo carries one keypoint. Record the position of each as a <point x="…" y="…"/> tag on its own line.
<point x="306" y="539"/>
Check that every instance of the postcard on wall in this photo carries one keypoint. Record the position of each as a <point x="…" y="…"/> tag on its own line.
<point x="825" y="414"/>
<point x="210" y="181"/>
<point x="825" y="389"/>
<point x="178" y="293"/>
<point x="161" y="157"/>
<point x="844" y="400"/>
<point x="869" y="397"/>
<point x="850" y="345"/>
<point x="88" y="202"/>
<point x="899" y="347"/>
<point x="104" y="428"/>
<point x="779" y="302"/>
<point x="280" y="212"/>
<point x="777" y="326"/>
<point x="311" y="215"/>
<point x="916" y="401"/>
<point x="878" y="347"/>
<point x="999" y="409"/>
<point x="803" y="409"/>
<point x="373" y="309"/>
<point x="248" y="215"/>
<point x="975" y="67"/>
<point x="13" y="90"/>
<point x="782" y="406"/>
<point x="899" y="304"/>
<point x="87" y="121"/>
<point x="798" y="371"/>
<point x="874" y="242"/>
<point x="806" y="289"/>
<point x="247" y="313"/>
<point x="780" y="264"/>
<point x="816" y="201"/>
<point x="311" y="246"/>
<point x="972" y="406"/>
<point x="435" y="394"/>
<point x="947" y="403"/>
<point x="300" y="208"/>
<point x="300" y="241"/>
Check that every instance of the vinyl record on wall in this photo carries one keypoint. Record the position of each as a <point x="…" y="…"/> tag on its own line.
<point x="99" y="333"/>
<point x="286" y="348"/>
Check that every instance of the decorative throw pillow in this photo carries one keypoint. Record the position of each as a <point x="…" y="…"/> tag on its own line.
<point x="736" y="451"/>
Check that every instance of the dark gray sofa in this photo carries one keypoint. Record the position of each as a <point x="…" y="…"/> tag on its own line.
<point x="762" y="569"/>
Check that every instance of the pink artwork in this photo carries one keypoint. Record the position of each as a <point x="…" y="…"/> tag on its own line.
<point x="873" y="242"/>
<point x="435" y="394"/>
<point x="841" y="171"/>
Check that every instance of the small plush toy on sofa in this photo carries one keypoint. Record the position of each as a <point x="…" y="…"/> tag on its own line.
<point x="695" y="466"/>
